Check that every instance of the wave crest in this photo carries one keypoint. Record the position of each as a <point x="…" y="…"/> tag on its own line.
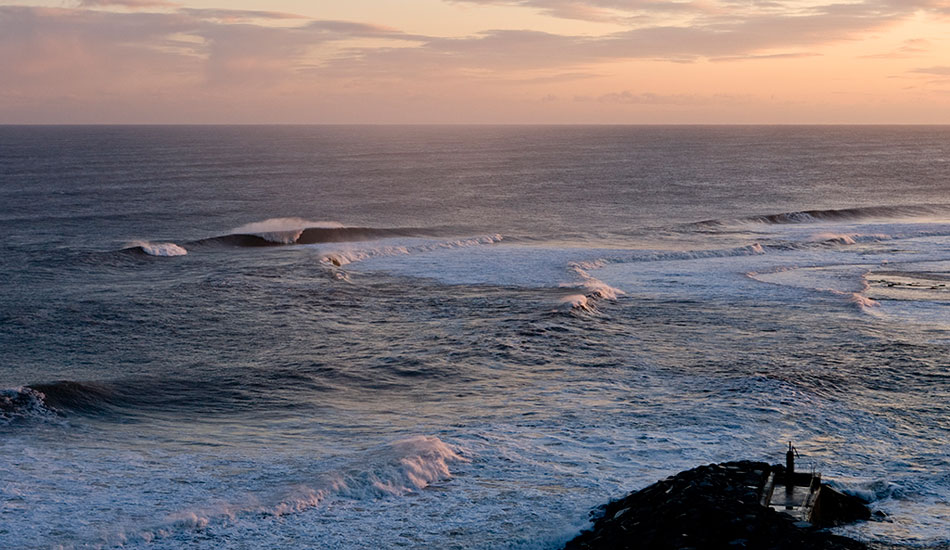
<point x="23" y="403"/>
<point x="157" y="249"/>
<point x="940" y="211"/>
<point x="283" y="230"/>
<point x="394" y="469"/>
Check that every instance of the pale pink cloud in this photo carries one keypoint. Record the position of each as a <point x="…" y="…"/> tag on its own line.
<point x="126" y="3"/>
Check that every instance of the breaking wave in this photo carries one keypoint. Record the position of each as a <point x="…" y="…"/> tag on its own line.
<point x="23" y="403"/>
<point x="594" y="289"/>
<point x="290" y="231"/>
<point x="393" y="469"/>
<point x="284" y="232"/>
<point x="149" y="395"/>
<point x="157" y="249"/>
<point x="55" y="399"/>
<point x="840" y="214"/>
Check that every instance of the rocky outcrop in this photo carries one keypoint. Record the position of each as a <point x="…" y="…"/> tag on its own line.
<point x="714" y="506"/>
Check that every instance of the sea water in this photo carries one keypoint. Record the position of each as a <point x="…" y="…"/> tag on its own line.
<point x="460" y="337"/>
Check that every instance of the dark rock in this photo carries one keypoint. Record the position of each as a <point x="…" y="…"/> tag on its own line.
<point x="709" y="507"/>
<point x="834" y="508"/>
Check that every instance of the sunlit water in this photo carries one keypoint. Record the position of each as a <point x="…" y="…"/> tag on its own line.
<point x="357" y="337"/>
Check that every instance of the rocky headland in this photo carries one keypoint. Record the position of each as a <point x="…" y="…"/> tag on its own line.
<point x="719" y="506"/>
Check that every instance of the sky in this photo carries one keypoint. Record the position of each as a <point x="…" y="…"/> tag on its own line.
<point x="475" y="61"/>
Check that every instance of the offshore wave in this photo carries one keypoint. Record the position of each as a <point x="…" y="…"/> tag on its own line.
<point x="282" y="232"/>
<point x="838" y="214"/>
<point x="144" y="396"/>
<point x="309" y="235"/>
<point x="58" y="399"/>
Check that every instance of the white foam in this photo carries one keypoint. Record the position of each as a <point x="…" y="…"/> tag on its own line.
<point x="159" y="249"/>
<point x="576" y="301"/>
<point x="22" y="402"/>
<point x="594" y="287"/>
<point x="848" y="238"/>
<point x="863" y="301"/>
<point x="349" y="255"/>
<point x="391" y="470"/>
<point x="835" y="238"/>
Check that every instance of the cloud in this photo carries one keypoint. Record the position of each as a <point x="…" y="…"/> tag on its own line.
<point x="718" y="35"/>
<point x="753" y="57"/>
<point x="77" y="46"/>
<point x="908" y="48"/>
<point x="600" y="10"/>
<point x="236" y="15"/>
<point x="144" y="52"/>
<point x="627" y="97"/>
<point x="126" y="3"/>
<point x="936" y="71"/>
<point x="692" y="11"/>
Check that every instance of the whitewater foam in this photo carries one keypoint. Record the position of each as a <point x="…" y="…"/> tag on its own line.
<point x="159" y="249"/>
<point x="394" y="469"/>
<point x="593" y="286"/>
<point x="576" y="302"/>
<point x="340" y="258"/>
<point x="23" y="403"/>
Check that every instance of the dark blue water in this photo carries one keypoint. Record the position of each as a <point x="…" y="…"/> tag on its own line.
<point x="459" y="337"/>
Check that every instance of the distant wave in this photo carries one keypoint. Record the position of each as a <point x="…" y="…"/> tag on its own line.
<point x="147" y="395"/>
<point x="839" y="214"/>
<point x="283" y="232"/>
<point x="45" y="401"/>
<point x="310" y="235"/>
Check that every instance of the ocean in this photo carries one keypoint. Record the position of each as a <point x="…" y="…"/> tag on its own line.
<point x="250" y="337"/>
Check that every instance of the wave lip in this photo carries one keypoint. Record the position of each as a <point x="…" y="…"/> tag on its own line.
<point x="157" y="249"/>
<point x="308" y="235"/>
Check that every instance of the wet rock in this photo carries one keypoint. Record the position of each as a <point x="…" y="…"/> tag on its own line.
<point x="714" y="506"/>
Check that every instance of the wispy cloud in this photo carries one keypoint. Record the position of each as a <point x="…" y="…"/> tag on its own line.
<point x="139" y="51"/>
<point x="909" y="48"/>
<point x="134" y="4"/>
<point x="627" y="97"/>
<point x="938" y="71"/>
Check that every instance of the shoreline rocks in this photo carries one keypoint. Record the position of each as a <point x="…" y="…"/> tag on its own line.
<point x="716" y="506"/>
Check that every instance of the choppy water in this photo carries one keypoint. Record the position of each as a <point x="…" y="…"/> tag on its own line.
<point x="460" y="337"/>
